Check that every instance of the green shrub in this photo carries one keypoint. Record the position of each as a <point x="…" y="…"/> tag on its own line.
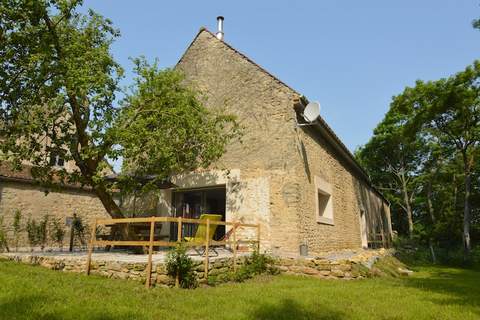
<point x="37" y="232"/>
<point x="180" y="266"/>
<point x="17" y="227"/>
<point x="416" y="253"/>
<point x="3" y="237"/>
<point x="57" y="232"/>
<point x="43" y="231"/>
<point x="254" y="265"/>
<point x="32" y="232"/>
<point x="79" y="228"/>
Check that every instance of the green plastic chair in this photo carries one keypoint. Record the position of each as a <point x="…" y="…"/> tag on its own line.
<point x="201" y="232"/>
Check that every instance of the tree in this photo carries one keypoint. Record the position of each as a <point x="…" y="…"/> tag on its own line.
<point x="58" y="91"/>
<point x="164" y="129"/>
<point x="392" y="160"/>
<point x="447" y="111"/>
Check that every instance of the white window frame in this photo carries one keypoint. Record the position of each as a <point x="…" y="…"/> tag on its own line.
<point x="55" y="158"/>
<point x="323" y="188"/>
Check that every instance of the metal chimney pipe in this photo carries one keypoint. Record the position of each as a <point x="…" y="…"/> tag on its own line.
<point x="220" y="33"/>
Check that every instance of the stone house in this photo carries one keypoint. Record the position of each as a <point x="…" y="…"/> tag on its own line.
<point x="299" y="182"/>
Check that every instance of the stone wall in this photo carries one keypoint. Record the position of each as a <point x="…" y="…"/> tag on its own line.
<point x="266" y="156"/>
<point x="349" y="265"/>
<point x="352" y="198"/>
<point x="119" y="269"/>
<point x="344" y="266"/>
<point x="288" y="157"/>
<point x="33" y="202"/>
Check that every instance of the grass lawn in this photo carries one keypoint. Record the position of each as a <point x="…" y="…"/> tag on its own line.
<point x="30" y="292"/>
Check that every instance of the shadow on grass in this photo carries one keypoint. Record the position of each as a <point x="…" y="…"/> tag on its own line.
<point x="461" y="286"/>
<point x="289" y="309"/>
<point x="35" y="307"/>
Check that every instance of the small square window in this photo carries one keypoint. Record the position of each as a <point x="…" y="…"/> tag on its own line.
<point x="56" y="160"/>
<point x="324" y="201"/>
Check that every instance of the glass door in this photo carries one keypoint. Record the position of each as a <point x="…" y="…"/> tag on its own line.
<point x="192" y="203"/>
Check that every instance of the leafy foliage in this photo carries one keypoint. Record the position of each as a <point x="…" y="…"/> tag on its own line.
<point x="180" y="266"/>
<point x="37" y="232"/>
<point x="32" y="232"/>
<point x="165" y="129"/>
<point x="57" y="231"/>
<point x="79" y="229"/>
<point x="3" y="236"/>
<point x="42" y="232"/>
<point x="256" y="264"/>
<point x="57" y="87"/>
<point x="59" y="84"/>
<point x="439" y="121"/>
<point x="17" y="227"/>
<point x="415" y="252"/>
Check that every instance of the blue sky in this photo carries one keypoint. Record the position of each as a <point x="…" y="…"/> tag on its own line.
<point x="352" y="56"/>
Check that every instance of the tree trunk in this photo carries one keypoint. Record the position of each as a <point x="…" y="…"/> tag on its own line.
<point x="432" y="252"/>
<point x="455" y="192"/>
<point x="408" y="207"/>
<point x="107" y="200"/>
<point x="467" y="165"/>
<point x="429" y="202"/>
<point x="432" y="218"/>
<point x="122" y="231"/>
<point x="466" y="215"/>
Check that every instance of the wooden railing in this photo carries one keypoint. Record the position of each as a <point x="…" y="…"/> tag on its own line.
<point x="377" y="240"/>
<point x="152" y="242"/>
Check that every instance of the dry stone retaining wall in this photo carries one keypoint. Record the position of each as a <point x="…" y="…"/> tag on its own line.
<point x="344" y="265"/>
<point x="121" y="270"/>
<point x="353" y="267"/>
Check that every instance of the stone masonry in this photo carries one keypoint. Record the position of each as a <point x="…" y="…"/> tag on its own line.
<point x="269" y="177"/>
<point x="34" y="203"/>
<point x="289" y="158"/>
<point x="345" y="265"/>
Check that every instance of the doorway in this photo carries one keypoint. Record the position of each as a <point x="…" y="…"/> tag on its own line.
<point x="194" y="202"/>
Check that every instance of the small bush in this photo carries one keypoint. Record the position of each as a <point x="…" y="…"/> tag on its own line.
<point x="17" y="226"/>
<point x="180" y="266"/>
<point x="43" y="231"/>
<point x="3" y="237"/>
<point x="37" y="232"/>
<point x="79" y="228"/>
<point x="256" y="264"/>
<point x="32" y="232"/>
<point x="57" y="232"/>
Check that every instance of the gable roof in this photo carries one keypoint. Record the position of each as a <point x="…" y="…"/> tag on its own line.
<point x="323" y="129"/>
<point x="203" y="29"/>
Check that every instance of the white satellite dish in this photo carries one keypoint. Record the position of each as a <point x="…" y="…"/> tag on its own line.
<point x="311" y="112"/>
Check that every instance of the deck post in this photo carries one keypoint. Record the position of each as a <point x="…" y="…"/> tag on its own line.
<point x="234" y="247"/>
<point x="90" y="246"/>
<point x="207" y="242"/>
<point x="179" y="231"/>
<point x="148" y="275"/>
